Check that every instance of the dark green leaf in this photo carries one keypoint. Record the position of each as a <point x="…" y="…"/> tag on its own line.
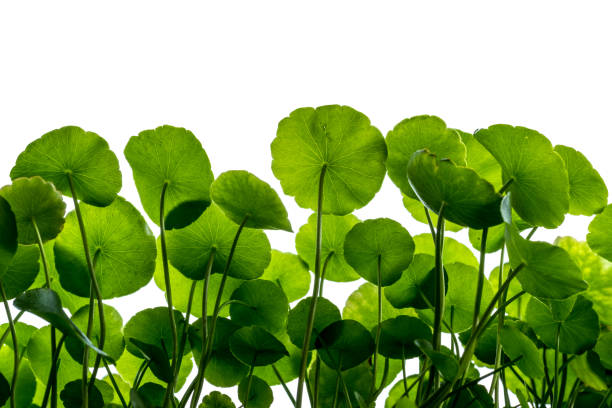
<point x="84" y="156"/>
<point x="151" y="395"/>
<point x="443" y="360"/>
<point x="540" y="186"/>
<point x="379" y="243"/>
<point x="255" y="346"/>
<point x="217" y="400"/>
<point x="121" y="244"/>
<point x="362" y="306"/>
<point x="344" y="344"/>
<point x="33" y="200"/>
<point x="159" y="362"/>
<point x="21" y="272"/>
<point x="259" y="394"/>
<point x="152" y="326"/>
<point x="72" y="396"/>
<point x="397" y="337"/>
<point x="288" y="367"/>
<point x="8" y="238"/>
<point x="189" y="248"/>
<point x="600" y="233"/>
<point x="468" y="199"/>
<point x="357" y="379"/>
<point x="603" y="348"/>
<point x="260" y="303"/>
<point x="290" y="273"/>
<point x="128" y="366"/>
<point x="417" y="210"/>
<point x="242" y="195"/>
<point x="174" y="156"/>
<point x="416" y="133"/>
<point x="516" y="344"/>
<point x="325" y="314"/>
<point x="584" y="369"/>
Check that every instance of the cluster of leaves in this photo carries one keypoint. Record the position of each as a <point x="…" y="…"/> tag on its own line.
<point x="540" y="323"/>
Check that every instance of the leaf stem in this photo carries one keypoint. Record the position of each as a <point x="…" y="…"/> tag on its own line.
<point x="506" y="186"/>
<point x="52" y="372"/>
<point x="114" y="383"/>
<point x="8" y="329"/>
<point x="430" y="223"/>
<point x="313" y="303"/>
<point x="248" y="390"/>
<point x="85" y="360"/>
<point x="15" y="344"/>
<point x="500" y="323"/>
<point x="379" y="320"/>
<point x="280" y="378"/>
<point x="327" y="259"/>
<point x="555" y="398"/>
<point x="434" y="382"/>
<point x="480" y="284"/>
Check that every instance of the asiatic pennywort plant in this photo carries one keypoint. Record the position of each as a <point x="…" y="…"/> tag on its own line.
<point x="538" y="326"/>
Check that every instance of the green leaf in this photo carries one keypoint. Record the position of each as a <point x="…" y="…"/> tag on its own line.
<point x="376" y="243"/>
<point x="548" y="270"/>
<point x="443" y="360"/>
<point x="417" y="210"/>
<point x="362" y="306"/>
<point x="46" y="304"/>
<point x="260" y="303"/>
<point x="603" y="348"/>
<point x="8" y="238"/>
<point x="516" y="344"/>
<point x="334" y="229"/>
<point x="495" y="235"/>
<point x="416" y="133"/>
<point x="113" y="344"/>
<point x="357" y="379"/>
<point x="189" y="248"/>
<point x="35" y="200"/>
<point x="24" y="332"/>
<point x="5" y="390"/>
<point x="21" y="272"/>
<point x="255" y="346"/>
<point x="479" y="159"/>
<point x="84" y="156"/>
<point x="600" y="235"/>
<point x="519" y="306"/>
<point x="485" y="345"/>
<point x="325" y="313"/>
<point x="290" y="273"/>
<point x="596" y="271"/>
<point x="242" y="196"/>
<point x="259" y="394"/>
<point x="454" y="251"/>
<point x="396" y="393"/>
<point x="339" y="139"/>
<point x="397" y="337"/>
<point x="159" y="361"/>
<point x="583" y="368"/>
<point x="174" y="156"/>
<point x="468" y="199"/>
<point x="217" y="400"/>
<point x="344" y="344"/>
<point x="25" y="388"/>
<point x="475" y="396"/>
<point x="588" y="192"/>
<point x="121" y="244"/>
<point x="152" y="326"/>
<point x="72" y="396"/>
<point x="128" y="366"/>
<point x="540" y="186"/>
<point x="181" y="287"/>
<point x="578" y="331"/>
<point x="288" y="367"/>
<point x="151" y="395"/>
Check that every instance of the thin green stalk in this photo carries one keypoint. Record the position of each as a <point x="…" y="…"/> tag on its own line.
<point x="15" y="344"/>
<point x="183" y="339"/>
<point x="505" y="388"/>
<point x="602" y="404"/>
<point x="85" y="361"/>
<point x="248" y="390"/>
<point x="531" y="388"/>
<point x="43" y="257"/>
<point x="336" y="392"/>
<point x="141" y="372"/>
<point x="345" y="390"/>
<point x="500" y="324"/>
<point x="8" y="329"/>
<point x="555" y="398"/>
<point x="563" y="378"/>
<point x="434" y="378"/>
<point x="383" y="380"/>
<point x="482" y="377"/>
<point x="313" y="303"/>
<point x="404" y="378"/>
<point x="530" y="235"/>
<point x="327" y="258"/>
<point x="315" y="392"/>
<point x="90" y="323"/>
<point x="574" y="395"/>
<point x="379" y="320"/>
<point x="52" y="372"/>
<point x="506" y="186"/>
<point x="432" y="230"/>
<point x="280" y="379"/>
<point x="480" y="284"/>
<point x="114" y="383"/>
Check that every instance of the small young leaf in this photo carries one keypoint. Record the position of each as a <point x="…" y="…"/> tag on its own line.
<point x="332" y="245"/>
<point x="217" y="400"/>
<point x="416" y="133"/>
<point x="600" y="233"/>
<point x="261" y="303"/>
<point x="84" y="156"/>
<point x="290" y="273"/>
<point x="72" y="396"/>
<point x="339" y="139"/>
<point x="326" y="313"/>
<point x="259" y="395"/>
<point x="242" y="195"/>
<point x="383" y="242"/>
<point x="397" y="337"/>
<point x="344" y="344"/>
<point x="35" y="200"/>
<point x="174" y="156"/>
<point x="255" y="346"/>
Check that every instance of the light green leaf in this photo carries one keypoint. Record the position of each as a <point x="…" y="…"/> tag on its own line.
<point x="260" y="303"/>
<point x="174" y="156"/>
<point x="259" y="394"/>
<point x="242" y="196"/>
<point x="516" y="344"/>
<point x="519" y="306"/>
<point x="334" y="230"/>
<point x="255" y="346"/>
<point x="290" y="273"/>
<point x="128" y="366"/>
<point x="417" y="210"/>
<point x="454" y="251"/>
<point x="339" y="139"/>
<point x="8" y="238"/>
<point x="600" y="233"/>
<point x="25" y="388"/>
<point x="288" y="367"/>
<point x="379" y="243"/>
<point x="357" y="379"/>
<point x="217" y="400"/>
<point x="71" y="151"/>
<point x="416" y="133"/>
<point x="468" y="199"/>
<point x="189" y="248"/>
<point x="479" y="159"/>
<point x="121" y="245"/>
<point x="21" y="272"/>
<point x="24" y="332"/>
<point x="583" y="369"/>
<point x="325" y="314"/>
<point x="540" y="186"/>
<point x="33" y="200"/>
<point x="344" y="344"/>
<point x="603" y="348"/>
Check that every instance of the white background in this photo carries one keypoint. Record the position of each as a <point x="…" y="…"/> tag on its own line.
<point x="229" y="71"/>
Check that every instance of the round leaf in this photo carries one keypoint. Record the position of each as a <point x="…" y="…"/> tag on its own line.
<point x="588" y="192"/>
<point x="454" y="251"/>
<point x="242" y="195"/>
<point x="217" y="400"/>
<point x="21" y="272"/>
<point x="416" y="287"/>
<point x="325" y="314"/>
<point x="260" y="303"/>
<point x="24" y="333"/>
<point x="128" y="366"/>
<point x="255" y="346"/>
<point x="288" y="367"/>
<point x="334" y="230"/>
<point x="380" y="243"/>
<point x="479" y="159"/>
<point x="71" y="151"/>
<point x="290" y="273"/>
<point x="397" y="337"/>
<point x="339" y="139"/>
<point x="600" y="233"/>
<point x="121" y="244"/>
<point x="540" y="186"/>
<point x="152" y="326"/>
<point x="25" y="388"/>
<point x="516" y="344"/>
<point x="578" y="329"/>
<point x="468" y="199"/>
<point x="358" y="380"/>
<point x="174" y="156"/>
<point x="416" y="133"/>
<point x="259" y="393"/>
<point x="417" y="210"/>
<point x="444" y="360"/>
<point x="8" y="238"/>
<point x="72" y="396"/>
<point x="35" y="200"/>
<point x="344" y="344"/>
<point x="189" y="248"/>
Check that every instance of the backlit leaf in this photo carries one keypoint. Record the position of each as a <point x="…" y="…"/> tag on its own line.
<point x="344" y="344"/>
<point x="600" y="233"/>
